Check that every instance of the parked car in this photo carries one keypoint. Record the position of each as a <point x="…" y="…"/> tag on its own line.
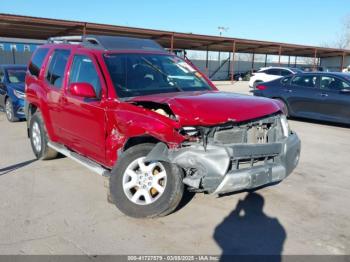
<point x="267" y="74"/>
<point x="321" y="96"/>
<point x="12" y="91"/>
<point x="127" y="109"/>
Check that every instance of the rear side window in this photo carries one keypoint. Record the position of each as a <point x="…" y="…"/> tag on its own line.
<point x="37" y="61"/>
<point x="275" y="72"/>
<point x="84" y="71"/>
<point x="285" y="80"/>
<point x="55" y="72"/>
<point x="285" y="73"/>
<point x="305" y="81"/>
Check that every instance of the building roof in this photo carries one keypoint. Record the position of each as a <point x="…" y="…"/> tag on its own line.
<point x="42" y="28"/>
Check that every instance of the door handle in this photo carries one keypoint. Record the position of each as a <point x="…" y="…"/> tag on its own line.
<point x="323" y="94"/>
<point x="288" y="90"/>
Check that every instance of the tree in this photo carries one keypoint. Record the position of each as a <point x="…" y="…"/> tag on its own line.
<point x="343" y="37"/>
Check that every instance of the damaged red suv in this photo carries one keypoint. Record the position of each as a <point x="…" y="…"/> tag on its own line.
<point x="127" y="109"/>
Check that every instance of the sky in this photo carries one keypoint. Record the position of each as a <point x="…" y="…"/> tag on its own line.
<point x="308" y="22"/>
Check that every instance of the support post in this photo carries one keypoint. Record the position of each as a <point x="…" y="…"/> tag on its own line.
<point x="172" y="43"/>
<point x="84" y="29"/>
<point x="342" y="62"/>
<point x="315" y="59"/>
<point x="207" y="62"/>
<point x="253" y="59"/>
<point x="288" y="60"/>
<point x="265" y="60"/>
<point x="232" y="69"/>
<point x="279" y="55"/>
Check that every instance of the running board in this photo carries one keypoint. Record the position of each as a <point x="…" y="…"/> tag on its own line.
<point x="80" y="159"/>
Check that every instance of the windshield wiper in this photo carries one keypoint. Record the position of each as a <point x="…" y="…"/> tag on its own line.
<point x="149" y="63"/>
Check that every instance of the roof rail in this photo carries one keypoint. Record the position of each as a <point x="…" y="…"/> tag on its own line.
<point x="87" y="41"/>
<point x="108" y="42"/>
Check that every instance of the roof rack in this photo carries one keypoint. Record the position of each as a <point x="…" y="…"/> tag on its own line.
<point x="108" y="42"/>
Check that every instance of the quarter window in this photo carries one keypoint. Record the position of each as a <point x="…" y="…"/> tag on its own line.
<point x="37" y="61"/>
<point x="285" y="80"/>
<point x="305" y="81"/>
<point x="84" y="71"/>
<point x="55" y="73"/>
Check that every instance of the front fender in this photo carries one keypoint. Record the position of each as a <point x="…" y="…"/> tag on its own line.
<point x="132" y="121"/>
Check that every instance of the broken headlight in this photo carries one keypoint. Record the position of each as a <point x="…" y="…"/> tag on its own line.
<point x="285" y="126"/>
<point x="189" y="131"/>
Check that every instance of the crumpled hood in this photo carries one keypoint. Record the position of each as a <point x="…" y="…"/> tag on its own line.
<point x="17" y="86"/>
<point x="213" y="107"/>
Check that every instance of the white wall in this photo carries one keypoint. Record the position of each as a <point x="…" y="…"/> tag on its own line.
<point x="334" y="63"/>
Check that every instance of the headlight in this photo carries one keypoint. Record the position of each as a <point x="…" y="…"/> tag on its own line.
<point x="285" y="126"/>
<point x="19" y="94"/>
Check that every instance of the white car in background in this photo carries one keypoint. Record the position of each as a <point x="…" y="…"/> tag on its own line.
<point x="267" y="74"/>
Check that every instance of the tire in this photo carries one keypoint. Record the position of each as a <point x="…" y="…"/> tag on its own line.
<point x="39" y="139"/>
<point x="10" y="114"/>
<point x="285" y="106"/>
<point x="128" y="170"/>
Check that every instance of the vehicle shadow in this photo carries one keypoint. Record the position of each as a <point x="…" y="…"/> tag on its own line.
<point x="8" y="169"/>
<point x="248" y="232"/>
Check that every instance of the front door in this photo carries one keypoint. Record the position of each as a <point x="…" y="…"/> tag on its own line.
<point x="301" y="95"/>
<point x="83" y="120"/>
<point x="335" y="99"/>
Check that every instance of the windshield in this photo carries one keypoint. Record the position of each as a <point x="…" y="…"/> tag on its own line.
<point x="16" y="75"/>
<point x="145" y="74"/>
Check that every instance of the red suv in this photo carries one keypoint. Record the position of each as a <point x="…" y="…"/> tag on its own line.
<point x="153" y="123"/>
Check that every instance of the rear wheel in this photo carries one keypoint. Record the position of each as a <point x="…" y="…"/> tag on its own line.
<point x="145" y="189"/>
<point x="39" y="139"/>
<point x="10" y="114"/>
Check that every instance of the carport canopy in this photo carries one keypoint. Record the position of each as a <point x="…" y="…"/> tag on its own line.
<point x="17" y="26"/>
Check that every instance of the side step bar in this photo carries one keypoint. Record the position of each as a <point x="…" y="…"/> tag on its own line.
<point x="80" y="159"/>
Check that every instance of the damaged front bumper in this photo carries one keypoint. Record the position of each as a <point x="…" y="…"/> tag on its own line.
<point x="221" y="169"/>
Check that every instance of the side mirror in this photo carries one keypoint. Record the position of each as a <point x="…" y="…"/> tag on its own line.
<point x="84" y="90"/>
<point x="345" y="91"/>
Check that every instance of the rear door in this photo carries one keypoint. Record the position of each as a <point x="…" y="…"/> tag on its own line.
<point x="54" y="79"/>
<point x="301" y="96"/>
<point x="83" y="120"/>
<point x="334" y="98"/>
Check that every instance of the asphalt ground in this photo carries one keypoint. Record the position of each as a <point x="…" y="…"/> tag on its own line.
<point x="60" y="207"/>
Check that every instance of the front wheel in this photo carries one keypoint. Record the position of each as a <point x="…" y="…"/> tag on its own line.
<point x="145" y="189"/>
<point x="39" y="139"/>
<point x="10" y="114"/>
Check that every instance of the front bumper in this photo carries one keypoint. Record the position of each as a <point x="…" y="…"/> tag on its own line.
<point x="224" y="169"/>
<point x="268" y="173"/>
<point x="18" y="108"/>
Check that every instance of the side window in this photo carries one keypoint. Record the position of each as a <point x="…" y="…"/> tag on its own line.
<point x="285" y="72"/>
<point x="37" y="61"/>
<point x="83" y="70"/>
<point x="286" y="80"/>
<point x="2" y="76"/>
<point x="305" y="81"/>
<point x="55" y="73"/>
<point x="333" y="83"/>
<point x="275" y="72"/>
